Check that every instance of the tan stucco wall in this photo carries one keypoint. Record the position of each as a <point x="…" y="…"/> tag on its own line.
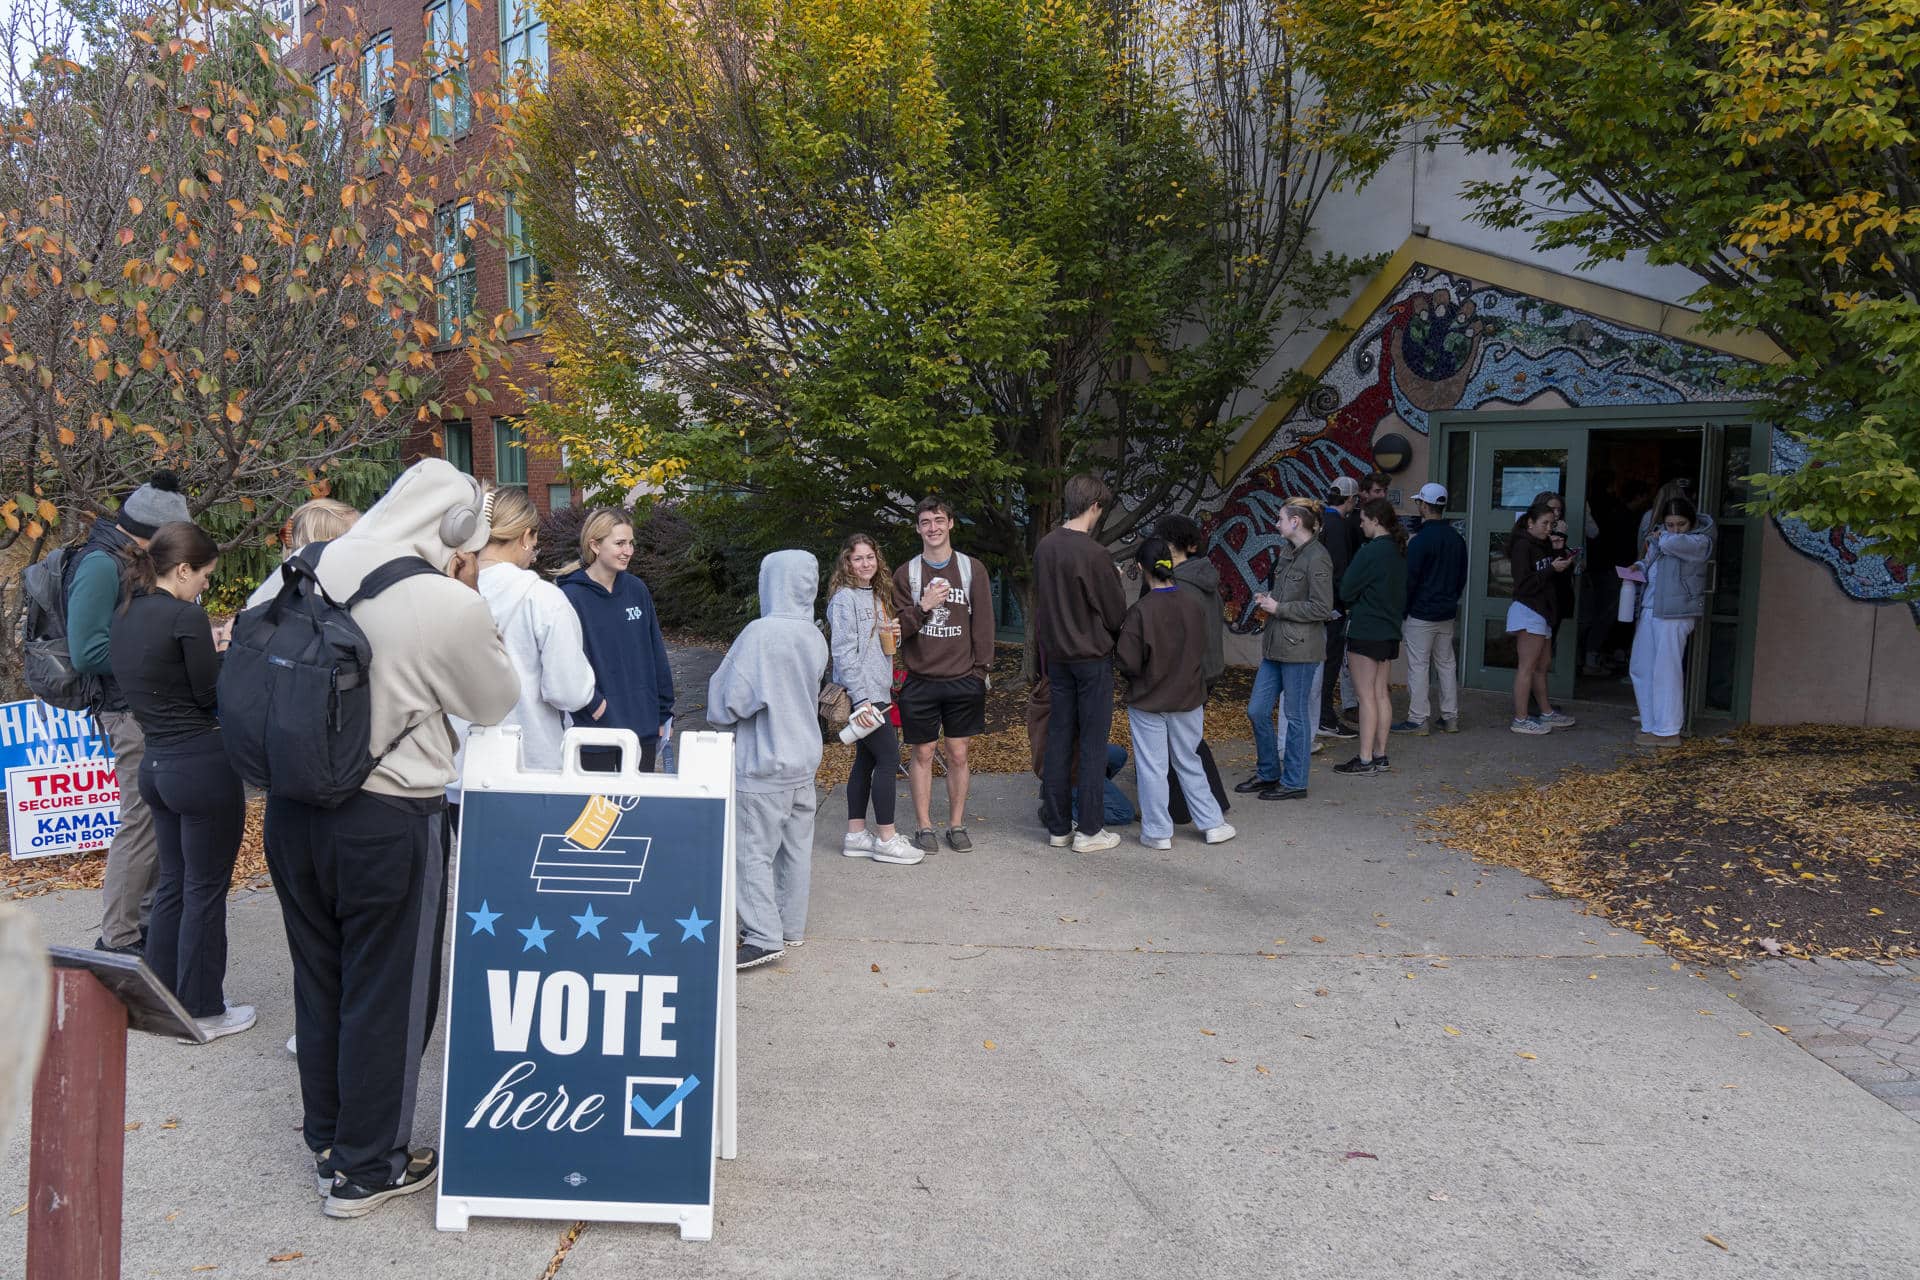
<point x="1822" y="658"/>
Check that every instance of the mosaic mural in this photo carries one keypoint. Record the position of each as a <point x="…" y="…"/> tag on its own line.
<point x="1443" y="341"/>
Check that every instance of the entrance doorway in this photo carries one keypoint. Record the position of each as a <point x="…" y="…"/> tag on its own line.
<point x="1607" y="465"/>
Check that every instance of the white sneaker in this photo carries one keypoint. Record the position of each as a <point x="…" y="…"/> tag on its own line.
<point x="1154" y="842"/>
<point x="293" y="1043"/>
<point x="858" y="844"/>
<point x="1220" y="834"/>
<point x="1059" y="842"/>
<point x="1094" y="843"/>
<point x="1557" y="719"/>
<point x="236" y="1018"/>
<point x="1528" y="724"/>
<point x="794" y="942"/>
<point x="897" y="851"/>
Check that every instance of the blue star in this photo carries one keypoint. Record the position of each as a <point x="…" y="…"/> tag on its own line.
<point x="483" y="919"/>
<point x="589" y="923"/>
<point x="693" y="927"/>
<point x="536" y="936"/>
<point x="640" y="939"/>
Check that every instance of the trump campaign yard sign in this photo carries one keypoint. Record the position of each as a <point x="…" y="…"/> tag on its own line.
<point x="61" y="808"/>
<point x="590" y="1039"/>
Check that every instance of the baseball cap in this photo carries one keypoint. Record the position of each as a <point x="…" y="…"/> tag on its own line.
<point x="1434" y="495"/>
<point x="1346" y="486"/>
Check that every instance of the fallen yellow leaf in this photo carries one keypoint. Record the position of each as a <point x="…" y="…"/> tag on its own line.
<point x="988" y="1044"/>
<point x="1530" y="1057"/>
<point x="285" y="1257"/>
<point x="1205" y="1032"/>
<point x="1714" y="1240"/>
<point x="1452" y="1031"/>
<point x="1317" y="938"/>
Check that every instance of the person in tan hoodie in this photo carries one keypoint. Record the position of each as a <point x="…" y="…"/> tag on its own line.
<point x="362" y="887"/>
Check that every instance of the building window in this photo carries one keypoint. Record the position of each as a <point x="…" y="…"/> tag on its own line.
<point x="286" y="13"/>
<point x="448" y="93"/>
<point x="525" y="275"/>
<point x="326" y="108"/>
<point x="559" y="497"/>
<point x="523" y="45"/>
<point x="453" y="275"/>
<point x="376" y="79"/>
<point x="459" y="438"/>
<point x="509" y="452"/>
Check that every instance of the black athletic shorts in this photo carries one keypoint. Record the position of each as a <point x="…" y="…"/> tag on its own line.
<point x="930" y="707"/>
<point x="1378" y="650"/>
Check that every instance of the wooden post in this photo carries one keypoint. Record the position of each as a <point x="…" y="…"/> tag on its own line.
<point x="79" y="1135"/>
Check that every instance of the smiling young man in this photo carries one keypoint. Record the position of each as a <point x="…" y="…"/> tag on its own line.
<point x="946" y="643"/>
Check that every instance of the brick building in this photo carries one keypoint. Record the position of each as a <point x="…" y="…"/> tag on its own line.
<point x="449" y="43"/>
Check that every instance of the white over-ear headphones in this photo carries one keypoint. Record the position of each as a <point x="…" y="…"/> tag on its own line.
<point x="459" y="524"/>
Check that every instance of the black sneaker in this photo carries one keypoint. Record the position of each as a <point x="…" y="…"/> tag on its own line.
<point x="1255" y="783"/>
<point x="1382" y="765"/>
<point x="348" y="1199"/>
<point x="748" y="956"/>
<point x="137" y="949"/>
<point x="1278" y="792"/>
<point x="1356" y="768"/>
<point x="1337" y="729"/>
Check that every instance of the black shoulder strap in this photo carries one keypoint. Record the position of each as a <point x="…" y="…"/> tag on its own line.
<point x="393" y="571"/>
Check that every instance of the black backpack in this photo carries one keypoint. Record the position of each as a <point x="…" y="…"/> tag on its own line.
<point x="46" y="661"/>
<point x="295" y="707"/>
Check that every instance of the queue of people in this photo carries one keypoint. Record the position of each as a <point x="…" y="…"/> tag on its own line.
<point x="467" y="634"/>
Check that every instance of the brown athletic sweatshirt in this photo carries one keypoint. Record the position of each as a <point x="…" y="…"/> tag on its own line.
<point x="1078" y="605"/>
<point x="1162" y="650"/>
<point x="956" y="639"/>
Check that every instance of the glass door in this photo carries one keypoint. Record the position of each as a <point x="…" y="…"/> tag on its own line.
<point x="1511" y="465"/>
<point x="1720" y="652"/>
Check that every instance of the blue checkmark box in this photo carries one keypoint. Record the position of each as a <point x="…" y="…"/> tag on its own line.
<point x="652" y="1114"/>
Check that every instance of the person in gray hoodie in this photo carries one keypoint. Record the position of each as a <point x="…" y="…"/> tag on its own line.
<point x="767" y="691"/>
<point x="1195" y="575"/>
<point x="362" y="887"/>
<point x="863" y="634"/>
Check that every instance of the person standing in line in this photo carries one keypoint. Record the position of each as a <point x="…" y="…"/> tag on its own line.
<point x="1298" y="603"/>
<point x="862" y="634"/>
<point x="167" y="665"/>
<point x="321" y="520"/>
<point x="1436" y="575"/>
<point x="1078" y="607"/>
<point x="95" y="581"/>
<point x="1679" y="549"/>
<point x="1161" y="650"/>
<point x="1375" y="586"/>
<point x="1531" y="616"/>
<point x="1375" y="484"/>
<point x="766" y="691"/>
<point x="1194" y="574"/>
<point x="360" y="886"/>
<point x="945" y="608"/>
<point x="620" y="631"/>
<point x="1340" y="539"/>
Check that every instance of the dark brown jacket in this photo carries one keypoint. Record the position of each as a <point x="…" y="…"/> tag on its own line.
<point x="1162" y="650"/>
<point x="1078" y="605"/>
<point x="955" y="640"/>
<point x="1531" y="561"/>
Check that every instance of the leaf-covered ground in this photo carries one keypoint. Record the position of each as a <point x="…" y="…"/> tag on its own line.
<point x="1798" y="841"/>
<point x="35" y="876"/>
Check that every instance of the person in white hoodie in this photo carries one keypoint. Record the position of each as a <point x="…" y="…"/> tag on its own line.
<point x="360" y="886"/>
<point x="542" y="634"/>
<point x="767" y="691"/>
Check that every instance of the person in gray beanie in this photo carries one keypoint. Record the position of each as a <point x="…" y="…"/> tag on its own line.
<point x="92" y="590"/>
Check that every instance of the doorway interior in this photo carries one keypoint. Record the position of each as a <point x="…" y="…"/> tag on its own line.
<point x="1608" y="465"/>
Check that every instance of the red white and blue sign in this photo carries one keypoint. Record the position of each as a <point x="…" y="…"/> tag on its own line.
<point x="592" y="961"/>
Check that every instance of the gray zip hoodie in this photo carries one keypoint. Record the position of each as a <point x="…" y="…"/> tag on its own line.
<point x="767" y="690"/>
<point x="859" y="662"/>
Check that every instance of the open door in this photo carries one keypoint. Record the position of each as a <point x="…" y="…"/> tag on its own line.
<point x="1720" y="651"/>
<point x="1510" y="466"/>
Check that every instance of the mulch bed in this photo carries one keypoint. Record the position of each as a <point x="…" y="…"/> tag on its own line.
<point x="1800" y="841"/>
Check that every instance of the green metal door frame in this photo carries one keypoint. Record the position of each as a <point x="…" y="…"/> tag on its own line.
<point x="1510" y="428"/>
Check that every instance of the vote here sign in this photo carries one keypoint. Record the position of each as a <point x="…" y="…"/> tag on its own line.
<point x="61" y="808"/>
<point x="590" y="985"/>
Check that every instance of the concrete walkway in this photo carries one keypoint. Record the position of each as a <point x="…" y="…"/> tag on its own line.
<point x="1327" y="1049"/>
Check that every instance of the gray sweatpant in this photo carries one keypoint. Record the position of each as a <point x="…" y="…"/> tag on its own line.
<point x="773" y="863"/>
<point x="133" y="859"/>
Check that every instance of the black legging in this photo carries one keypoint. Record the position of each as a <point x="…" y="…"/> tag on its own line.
<point x="199" y="811"/>
<point x="876" y="757"/>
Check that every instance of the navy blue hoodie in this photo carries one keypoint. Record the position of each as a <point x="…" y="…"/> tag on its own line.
<point x="629" y="655"/>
